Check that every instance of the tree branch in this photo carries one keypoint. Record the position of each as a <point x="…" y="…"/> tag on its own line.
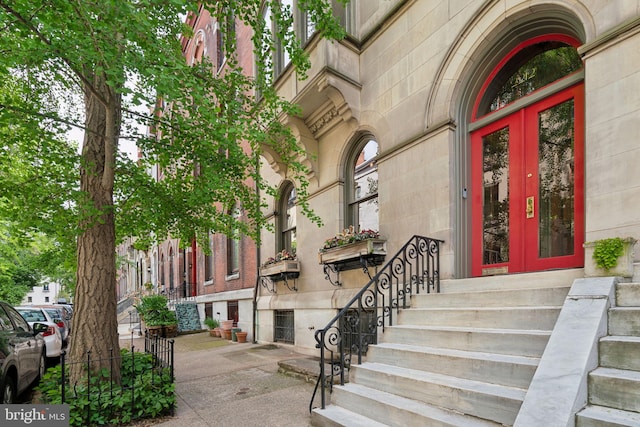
<point x="27" y="23"/>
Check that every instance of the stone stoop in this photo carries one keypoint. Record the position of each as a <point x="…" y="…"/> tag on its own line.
<point x="614" y="387"/>
<point x="464" y="357"/>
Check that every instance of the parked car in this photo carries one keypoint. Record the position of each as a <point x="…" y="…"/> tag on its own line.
<point x="61" y="317"/>
<point x="52" y="335"/>
<point x="22" y="353"/>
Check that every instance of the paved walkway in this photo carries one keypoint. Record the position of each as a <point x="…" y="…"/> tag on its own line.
<point x="221" y="383"/>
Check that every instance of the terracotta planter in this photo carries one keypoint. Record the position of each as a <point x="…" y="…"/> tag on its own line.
<point x="226" y="334"/>
<point x="226" y="324"/>
<point x="241" y="336"/>
<point x="212" y="333"/>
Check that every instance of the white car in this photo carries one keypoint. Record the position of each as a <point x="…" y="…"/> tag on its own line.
<point x="52" y="336"/>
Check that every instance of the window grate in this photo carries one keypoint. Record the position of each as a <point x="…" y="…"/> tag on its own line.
<point x="284" y="327"/>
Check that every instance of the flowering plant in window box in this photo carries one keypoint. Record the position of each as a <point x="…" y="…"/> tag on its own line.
<point x="351" y="244"/>
<point x="283" y="262"/>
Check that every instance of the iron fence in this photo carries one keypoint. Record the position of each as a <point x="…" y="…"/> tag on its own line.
<point x="93" y="397"/>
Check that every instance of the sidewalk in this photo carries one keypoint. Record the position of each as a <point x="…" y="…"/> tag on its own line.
<point x="222" y="383"/>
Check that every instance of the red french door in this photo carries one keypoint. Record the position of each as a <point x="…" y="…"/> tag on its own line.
<point x="527" y="188"/>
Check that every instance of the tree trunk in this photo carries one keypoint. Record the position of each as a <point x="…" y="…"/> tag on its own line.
<point x="95" y="327"/>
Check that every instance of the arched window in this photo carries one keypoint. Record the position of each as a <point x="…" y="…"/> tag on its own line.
<point x="233" y="249"/>
<point x="163" y="280"/>
<point x="208" y="261"/>
<point x="362" y="185"/>
<point x="527" y="160"/>
<point x="287" y="219"/>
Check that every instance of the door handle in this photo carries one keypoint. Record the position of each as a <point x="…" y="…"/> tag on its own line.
<point x="530" y="207"/>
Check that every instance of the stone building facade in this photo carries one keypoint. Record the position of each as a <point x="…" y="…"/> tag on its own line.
<point x="505" y="128"/>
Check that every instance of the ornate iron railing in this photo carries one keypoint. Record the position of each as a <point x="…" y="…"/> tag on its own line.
<point x="413" y="269"/>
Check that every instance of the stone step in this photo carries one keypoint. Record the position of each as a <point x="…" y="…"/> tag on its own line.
<point x="494" y="298"/>
<point x="516" y="342"/>
<point x="628" y="294"/>
<point x="599" y="416"/>
<point x="615" y="388"/>
<point x="617" y="351"/>
<point x="543" y="279"/>
<point x="512" y="371"/>
<point x="624" y="321"/>
<point x="536" y="318"/>
<point x="394" y="410"/>
<point x="478" y="399"/>
<point x="336" y="416"/>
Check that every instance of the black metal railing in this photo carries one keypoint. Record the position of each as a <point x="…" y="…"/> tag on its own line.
<point x="413" y="269"/>
<point x="177" y="294"/>
<point x="97" y="390"/>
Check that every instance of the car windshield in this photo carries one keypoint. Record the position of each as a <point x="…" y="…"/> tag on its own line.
<point x="33" y="315"/>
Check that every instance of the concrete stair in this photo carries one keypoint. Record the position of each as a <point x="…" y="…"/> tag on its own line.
<point x="464" y="357"/>
<point x="614" y="387"/>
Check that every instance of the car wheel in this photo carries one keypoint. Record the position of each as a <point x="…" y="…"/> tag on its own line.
<point x="9" y="390"/>
<point x="42" y="366"/>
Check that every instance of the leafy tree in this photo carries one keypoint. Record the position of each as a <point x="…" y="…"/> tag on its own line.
<point x="90" y="64"/>
<point x="19" y="264"/>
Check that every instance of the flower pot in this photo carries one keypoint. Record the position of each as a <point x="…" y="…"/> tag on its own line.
<point x="226" y="334"/>
<point x="170" y="331"/>
<point x="212" y="332"/>
<point x="242" y="336"/>
<point x="155" y="330"/>
<point x="234" y="331"/>
<point x="624" y="267"/>
<point x="226" y="324"/>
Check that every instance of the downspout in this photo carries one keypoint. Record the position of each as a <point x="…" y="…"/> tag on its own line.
<point x="258" y="244"/>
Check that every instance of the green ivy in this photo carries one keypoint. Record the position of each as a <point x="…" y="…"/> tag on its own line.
<point x="607" y="251"/>
<point x="111" y="404"/>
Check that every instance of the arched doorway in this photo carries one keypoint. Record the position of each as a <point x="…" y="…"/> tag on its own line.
<point x="527" y="160"/>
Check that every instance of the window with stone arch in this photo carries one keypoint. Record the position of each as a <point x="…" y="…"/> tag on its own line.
<point x="287" y="219"/>
<point x="362" y="210"/>
<point x="200" y="48"/>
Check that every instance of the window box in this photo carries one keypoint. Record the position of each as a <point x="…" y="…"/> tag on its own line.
<point x="369" y="248"/>
<point x="290" y="267"/>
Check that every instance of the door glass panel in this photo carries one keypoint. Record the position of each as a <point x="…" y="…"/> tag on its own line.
<point x="495" y="221"/>
<point x="556" y="226"/>
<point x="531" y="69"/>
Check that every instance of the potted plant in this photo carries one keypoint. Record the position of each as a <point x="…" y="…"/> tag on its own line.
<point x="283" y="262"/>
<point x="155" y="313"/>
<point x="213" y="326"/>
<point x="609" y="257"/>
<point x="351" y="244"/>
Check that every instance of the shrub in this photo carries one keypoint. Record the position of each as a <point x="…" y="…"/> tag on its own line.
<point x="145" y="392"/>
<point x="607" y="251"/>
